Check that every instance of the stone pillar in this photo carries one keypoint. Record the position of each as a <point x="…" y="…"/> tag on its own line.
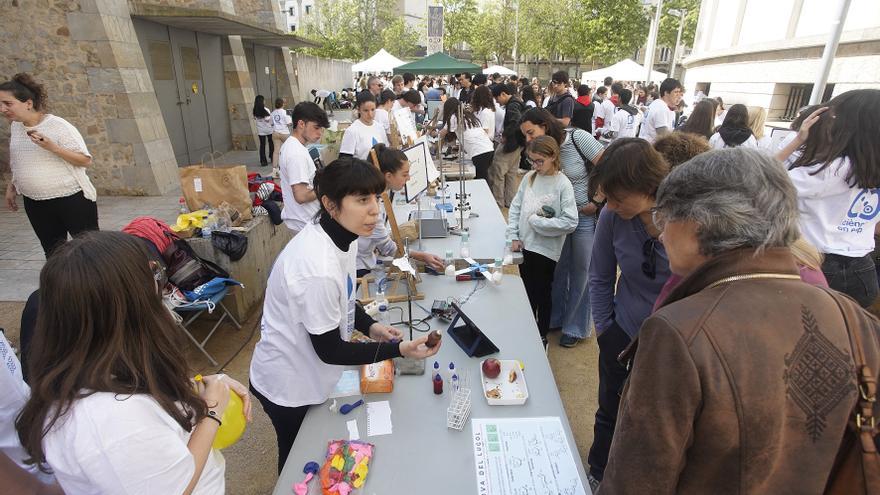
<point x="288" y="85"/>
<point x="87" y="55"/>
<point x="239" y="94"/>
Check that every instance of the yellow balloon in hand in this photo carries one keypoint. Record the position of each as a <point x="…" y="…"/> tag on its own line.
<point x="233" y="423"/>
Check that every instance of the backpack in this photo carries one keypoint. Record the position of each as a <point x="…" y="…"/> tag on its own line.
<point x="582" y="116"/>
<point x="186" y="269"/>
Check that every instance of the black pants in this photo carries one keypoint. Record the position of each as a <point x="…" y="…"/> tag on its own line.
<point x="481" y="164"/>
<point x="53" y="219"/>
<point x="855" y="277"/>
<point x="286" y="421"/>
<point x="536" y="271"/>
<point x="264" y="158"/>
<point x="612" y="375"/>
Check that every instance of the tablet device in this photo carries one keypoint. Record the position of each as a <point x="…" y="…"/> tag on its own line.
<point x="468" y="336"/>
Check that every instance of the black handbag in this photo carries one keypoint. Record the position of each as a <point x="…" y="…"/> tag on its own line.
<point x="186" y="269"/>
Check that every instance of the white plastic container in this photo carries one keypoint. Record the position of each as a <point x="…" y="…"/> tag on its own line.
<point x="509" y="393"/>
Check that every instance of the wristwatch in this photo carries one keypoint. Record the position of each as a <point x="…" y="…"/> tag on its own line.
<point x="213" y="415"/>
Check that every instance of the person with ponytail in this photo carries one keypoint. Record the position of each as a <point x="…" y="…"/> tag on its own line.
<point x="48" y="157"/>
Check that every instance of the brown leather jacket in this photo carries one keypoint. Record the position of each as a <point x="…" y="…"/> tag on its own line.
<point x="738" y="386"/>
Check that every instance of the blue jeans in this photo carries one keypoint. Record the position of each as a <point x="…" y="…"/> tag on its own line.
<point x="855" y="277"/>
<point x="571" y="299"/>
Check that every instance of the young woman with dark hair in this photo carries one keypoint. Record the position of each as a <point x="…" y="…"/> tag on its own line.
<point x="529" y="97"/>
<point x="309" y="311"/>
<point x="541" y="215"/>
<point x="483" y="108"/>
<point x="735" y="130"/>
<point x="702" y="120"/>
<point x="365" y="132"/>
<point x="628" y="269"/>
<point x="474" y="139"/>
<point x="263" y="118"/>
<point x="394" y="166"/>
<point x="579" y="152"/>
<point x="833" y="164"/>
<point x="384" y="104"/>
<point x="113" y="408"/>
<point x="48" y="158"/>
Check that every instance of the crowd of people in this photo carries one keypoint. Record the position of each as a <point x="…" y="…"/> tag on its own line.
<point x="726" y="280"/>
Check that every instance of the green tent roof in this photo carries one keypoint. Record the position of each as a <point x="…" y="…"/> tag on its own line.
<point x="438" y="63"/>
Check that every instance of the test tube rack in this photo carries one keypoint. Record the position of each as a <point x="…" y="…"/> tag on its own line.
<point x="460" y="405"/>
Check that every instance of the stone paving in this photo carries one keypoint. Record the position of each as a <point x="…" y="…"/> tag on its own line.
<point x="21" y="256"/>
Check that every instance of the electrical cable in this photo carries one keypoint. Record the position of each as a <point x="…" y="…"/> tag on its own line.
<point x="257" y="320"/>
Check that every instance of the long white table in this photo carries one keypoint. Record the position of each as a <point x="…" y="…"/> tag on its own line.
<point x="422" y="455"/>
<point x="486" y="230"/>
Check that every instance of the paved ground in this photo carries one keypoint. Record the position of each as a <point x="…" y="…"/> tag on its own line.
<point x="250" y="464"/>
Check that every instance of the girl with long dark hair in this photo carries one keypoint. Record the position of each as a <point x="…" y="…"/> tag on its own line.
<point x="113" y="408"/>
<point x="474" y="138"/>
<point x="701" y="120"/>
<point x="735" y="130"/>
<point x="263" y="118"/>
<point x="833" y="164"/>
<point x="483" y="108"/>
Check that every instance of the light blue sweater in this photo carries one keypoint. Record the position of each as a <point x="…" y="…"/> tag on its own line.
<point x="544" y="236"/>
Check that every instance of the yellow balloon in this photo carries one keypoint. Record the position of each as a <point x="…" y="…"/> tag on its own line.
<point x="233" y="423"/>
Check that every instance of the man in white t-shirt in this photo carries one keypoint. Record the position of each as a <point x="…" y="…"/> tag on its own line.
<point x="298" y="166"/>
<point x="660" y="116"/>
<point x="625" y="120"/>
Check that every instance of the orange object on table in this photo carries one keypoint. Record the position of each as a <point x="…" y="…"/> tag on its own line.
<point x="377" y="378"/>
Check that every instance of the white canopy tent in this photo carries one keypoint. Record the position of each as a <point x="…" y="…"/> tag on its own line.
<point x="504" y="71"/>
<point x="382" y="61"/>
<point x="625" y="70"/>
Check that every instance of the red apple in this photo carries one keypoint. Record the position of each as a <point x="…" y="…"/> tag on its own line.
<point x="491" y="368"/>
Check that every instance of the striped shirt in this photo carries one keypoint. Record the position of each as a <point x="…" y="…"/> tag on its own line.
<point x="573" y="165"/>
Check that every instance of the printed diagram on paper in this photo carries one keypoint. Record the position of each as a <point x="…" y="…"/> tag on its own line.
<point x="524" y="456"/>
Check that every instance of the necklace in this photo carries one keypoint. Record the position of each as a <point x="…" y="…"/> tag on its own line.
<point x="754" y="276"/>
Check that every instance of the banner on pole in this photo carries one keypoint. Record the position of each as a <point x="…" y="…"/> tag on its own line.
<point x="435" y="29"/>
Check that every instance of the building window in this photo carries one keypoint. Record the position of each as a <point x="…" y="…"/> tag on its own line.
<point x="292" y="28"/>
<point x="308" y="9"/>
<point x="798" y="96"/>
<point x="291" y="12"/>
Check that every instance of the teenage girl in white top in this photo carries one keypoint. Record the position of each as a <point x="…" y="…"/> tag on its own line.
<point x="113" y="408"/>
<point x="263" y="119"/>
<point x="48" y="158"/>
<point x="832" y="162"/>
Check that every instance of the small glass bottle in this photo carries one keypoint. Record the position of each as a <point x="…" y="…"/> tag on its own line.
<point x="464" y="247"/>
<point x="183" y="208"/>
<point x="449" y="263"/>
<point x="508" y="252"/>
<point x="382" y="316"/>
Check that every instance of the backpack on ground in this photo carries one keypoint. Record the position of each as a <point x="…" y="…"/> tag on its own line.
<point x="186" y="269"/>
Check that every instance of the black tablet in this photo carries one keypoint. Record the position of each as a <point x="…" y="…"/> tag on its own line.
<point x="468" y="336"/>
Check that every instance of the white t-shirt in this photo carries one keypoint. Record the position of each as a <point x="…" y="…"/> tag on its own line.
<point x="280" y="121"/>
<point x="836" y="218"/>
<point x="658" y="115"/>
<point x="530" y="104"/>
<point x="624" y="124"/>
<point x="40" y="174"/>
<point x="264" y="124"/>
<point x="14" y="393"/>
<point x="110" y="443"/>
<point x="359" y="139"/>
<point x="487" y="121"/>
<point x="384" y="119"/>
<point x="380" y="240"/>
<point x="500" y="112"/>
<point x="310" y="291"/>
<point x="765" y="143"/>
<point x="717" y="143"/>
<point x="296" y="167"/>
<point x="474" y="140"/>
<point x="608" y="110"/>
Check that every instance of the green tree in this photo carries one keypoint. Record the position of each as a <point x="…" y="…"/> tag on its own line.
<point x="459" y="23"/>
<point x="399" y="38"/>
<point x="349" y="29"/>
<point x="669" y="23"/>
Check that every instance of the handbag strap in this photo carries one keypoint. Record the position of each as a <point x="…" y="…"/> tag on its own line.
<point x="863" y="413"/>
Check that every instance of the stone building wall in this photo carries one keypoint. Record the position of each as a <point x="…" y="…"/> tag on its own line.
<point x="86" y="54"/>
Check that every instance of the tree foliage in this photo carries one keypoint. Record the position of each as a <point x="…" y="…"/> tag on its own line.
<point x="460" y="19"/>
<point x="669" y="23"/>
<point x="400" y="39"/>
<point x="352" y="29"/>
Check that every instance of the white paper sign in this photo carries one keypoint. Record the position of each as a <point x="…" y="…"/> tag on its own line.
<point x="197" y="184"/>
<point x="524" y="455"/>
<point x="406" y="124"/>
<point x="418" y="170"/>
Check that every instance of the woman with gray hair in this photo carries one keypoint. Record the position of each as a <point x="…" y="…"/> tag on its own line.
<point x="743" y="381"/>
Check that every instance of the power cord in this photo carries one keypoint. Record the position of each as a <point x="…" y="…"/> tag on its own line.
<point x="244" y="344"/>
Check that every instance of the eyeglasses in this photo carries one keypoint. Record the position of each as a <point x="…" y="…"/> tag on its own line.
<point x="649" y="251"/>
<point x="536" y="163"/>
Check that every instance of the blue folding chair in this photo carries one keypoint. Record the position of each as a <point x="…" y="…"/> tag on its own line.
<point x="198" y="308"/>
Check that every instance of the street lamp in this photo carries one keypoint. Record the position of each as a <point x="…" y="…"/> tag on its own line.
<point x="681" y="14"/>
<point x="652" y="40"/>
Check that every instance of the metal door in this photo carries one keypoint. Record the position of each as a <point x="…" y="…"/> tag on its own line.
<point x="264" y="64"/>
<point x="191" y="92"/>
<point x="156" y="47"/>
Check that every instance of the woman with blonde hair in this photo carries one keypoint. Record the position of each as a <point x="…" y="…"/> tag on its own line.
<point x="542" y="213"/>
<point x="757" y="117"/>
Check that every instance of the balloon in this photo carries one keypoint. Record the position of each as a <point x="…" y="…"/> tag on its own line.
<point x="233" y="423"/>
